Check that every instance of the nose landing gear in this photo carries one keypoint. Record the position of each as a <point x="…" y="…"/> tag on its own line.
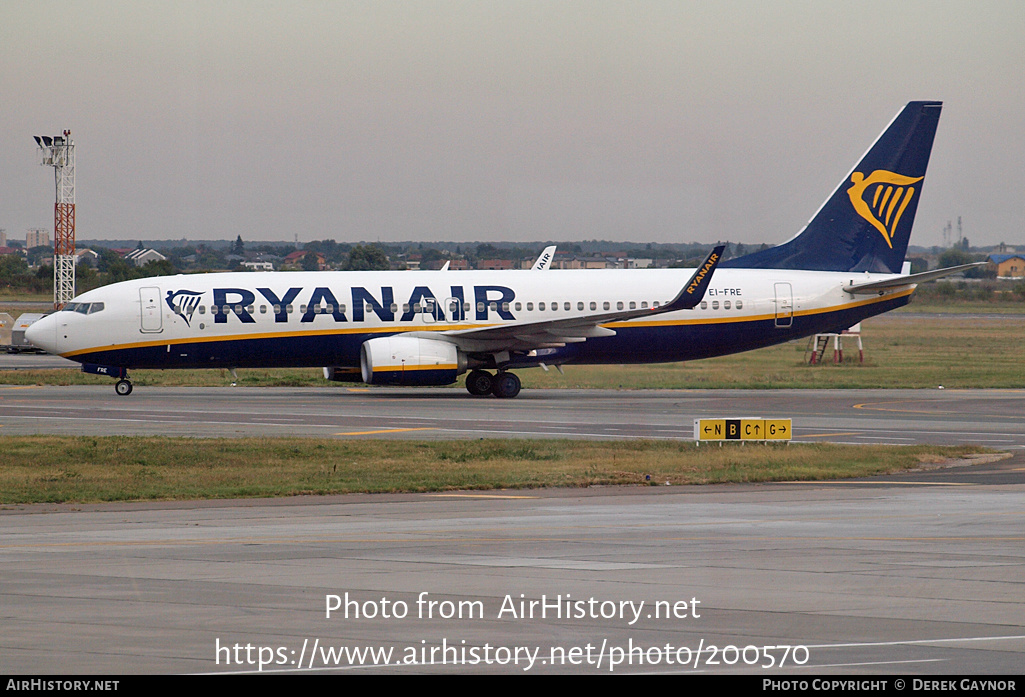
<point x="123" y="386"/>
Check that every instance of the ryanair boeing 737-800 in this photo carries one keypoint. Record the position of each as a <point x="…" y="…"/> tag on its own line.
<point x="428" y="327"/>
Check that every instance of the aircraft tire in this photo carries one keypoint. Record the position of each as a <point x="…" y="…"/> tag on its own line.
<point x="506" y="386"/>
<point x="479" y="383"/>
<point x="123" y="388"/>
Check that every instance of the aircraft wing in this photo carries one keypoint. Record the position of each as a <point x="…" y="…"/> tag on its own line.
<point x="559" y="332"/>
<point x="904" y="281"/>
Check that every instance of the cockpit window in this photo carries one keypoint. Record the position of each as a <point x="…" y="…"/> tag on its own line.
<point x="83" y="308"/>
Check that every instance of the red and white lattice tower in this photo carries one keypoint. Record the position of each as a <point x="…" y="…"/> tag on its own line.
<point x="59" y="152"/>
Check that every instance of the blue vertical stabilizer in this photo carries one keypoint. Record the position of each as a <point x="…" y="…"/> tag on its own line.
<point x="866" y="223"/>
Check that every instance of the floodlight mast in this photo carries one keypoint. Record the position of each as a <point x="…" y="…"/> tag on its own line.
<point x="59" y="152"/>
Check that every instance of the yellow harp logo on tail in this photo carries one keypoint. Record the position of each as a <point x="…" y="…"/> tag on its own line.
<point x="890" y="194"/>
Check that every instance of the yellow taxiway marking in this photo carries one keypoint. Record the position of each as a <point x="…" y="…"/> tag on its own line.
<point x="838" y="481"/>
<point x="826" y="435"/>
<point x="871" y="406"/>
<point x="20" y="387"/>
<point x="484" y="496"/>
<point x="387" y="430"/>
<point x="357" y="389"/>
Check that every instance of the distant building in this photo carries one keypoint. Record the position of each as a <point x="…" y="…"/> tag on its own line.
<point x="141" y="257"/>
<point x="37" y="238"/>
<point x="258" y="265"/>
<point x="495" y="264"/>
<point x="578" y="262"/>
<point x="1009" y="265"/>
<point x="86" y="256"/>
<point x="295" y="260"/>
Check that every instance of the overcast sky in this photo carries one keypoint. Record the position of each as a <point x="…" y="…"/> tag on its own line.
<point x="415" y="120"/>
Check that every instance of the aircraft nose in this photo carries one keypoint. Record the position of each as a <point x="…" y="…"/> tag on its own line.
<point x="43" y="334"/>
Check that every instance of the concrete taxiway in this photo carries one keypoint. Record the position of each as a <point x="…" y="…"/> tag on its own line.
<point x="914" y="574"/>
<point x="903" y="575"/>
<point x="984" y="417"/>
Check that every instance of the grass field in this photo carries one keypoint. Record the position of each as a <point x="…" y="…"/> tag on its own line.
<point x="87" y="469"/>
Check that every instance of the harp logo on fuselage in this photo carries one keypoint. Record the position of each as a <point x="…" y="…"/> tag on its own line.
<point x="183" y="303"/>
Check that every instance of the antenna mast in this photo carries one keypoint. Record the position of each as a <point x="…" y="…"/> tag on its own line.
<point x="59" y="152"/>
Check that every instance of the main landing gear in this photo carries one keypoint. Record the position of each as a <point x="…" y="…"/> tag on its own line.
<point x="503" y="385"/>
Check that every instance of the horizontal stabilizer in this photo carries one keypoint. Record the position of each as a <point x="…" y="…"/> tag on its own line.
<point x="904" y="281"/>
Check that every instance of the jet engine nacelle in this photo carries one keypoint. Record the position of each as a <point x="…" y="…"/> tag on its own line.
<point x="408" y="360"/>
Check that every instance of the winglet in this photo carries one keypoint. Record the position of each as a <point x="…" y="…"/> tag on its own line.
<point x="692" y="293"/>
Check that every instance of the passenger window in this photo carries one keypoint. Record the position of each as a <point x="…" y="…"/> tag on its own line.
<point x="566" y="306"/>
<point x="277" y="309"/>
<point x="555" y="306"/>
<point x="594" y="305"/>
<point x="740" y="304"/>
<point x="644" y="304"/>
<point x="605" y="305"/>
<point x="505" y="307"/>
<point x="655" y="304"/>
<point x="480" y="307"/>
<point x="540" y="306"/>
<point x="288" y="309"/>
<point x="704" y="304"/>
<point x="715" y="304"/>
<point x="202" y="309"/>
<point x="263" y="309"/>
<point x="394" y="307"/>
<point x="633" y="305"/>
<point x="518" y="307"/>
<point x="580" y="306"/>
<point x="619" y="305"/>
<point x="530" y="307"/>
<point x="725" y="304"/>
<point x="302" y="309"/>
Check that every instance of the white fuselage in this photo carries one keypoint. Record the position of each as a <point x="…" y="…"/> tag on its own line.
<point x="322" y="318"/>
